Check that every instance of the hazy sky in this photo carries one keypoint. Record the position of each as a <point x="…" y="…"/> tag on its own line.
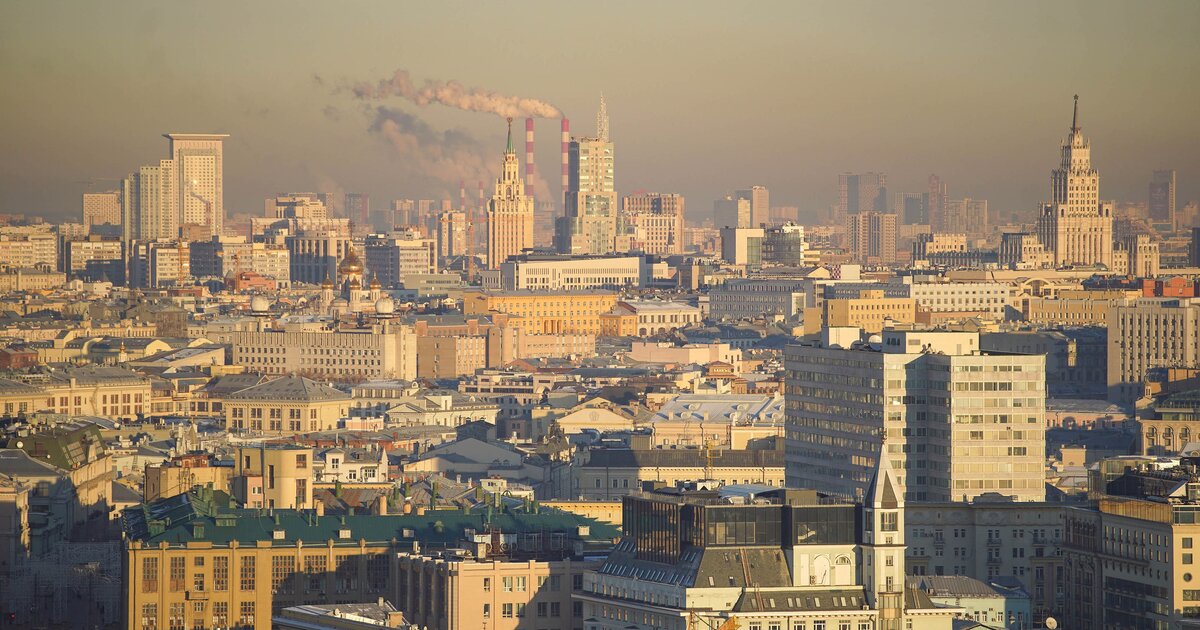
<point x="704" y="97"/>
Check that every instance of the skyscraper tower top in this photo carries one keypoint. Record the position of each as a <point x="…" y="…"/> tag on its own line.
<point x="510" y="147"/>
<point x="1075" y="116"/>
<point x="602" y="121"/>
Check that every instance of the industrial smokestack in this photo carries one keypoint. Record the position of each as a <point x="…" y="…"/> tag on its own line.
<point x="462" y="195"/>
<point x="566" y="148"/>
<point x="529" y="156"/>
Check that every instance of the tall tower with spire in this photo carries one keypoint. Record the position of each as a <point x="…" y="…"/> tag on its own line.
<point x="590" y="224"/>
<point x="1076" y="227"/>
<point x="883" y="543"/>
<point x="510" y="212"/>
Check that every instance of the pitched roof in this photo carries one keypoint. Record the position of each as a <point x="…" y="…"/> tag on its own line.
<point x="290" y="388"/>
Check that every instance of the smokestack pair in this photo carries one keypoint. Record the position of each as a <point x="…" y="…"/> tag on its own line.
<point x="566" y="146"/>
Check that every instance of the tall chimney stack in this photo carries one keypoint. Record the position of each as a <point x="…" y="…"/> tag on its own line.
<point x="566" y="148"/>
<point x="529" y="156"/>
<point x="462" y="195"/>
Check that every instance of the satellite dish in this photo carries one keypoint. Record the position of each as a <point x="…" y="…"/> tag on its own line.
<point x="20" y="444"/>
<point x="1051" y="623"/>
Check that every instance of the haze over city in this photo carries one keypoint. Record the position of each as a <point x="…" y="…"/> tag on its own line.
<point x="621" y="315"/>
<point x="704" y="97"/>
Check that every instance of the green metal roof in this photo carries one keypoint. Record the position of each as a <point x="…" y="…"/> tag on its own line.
<point x="204" y="515"/>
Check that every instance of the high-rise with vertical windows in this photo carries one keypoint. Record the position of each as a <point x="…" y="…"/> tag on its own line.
<point x="958" y="422"/>
<point x="760" y="204"/>
<point x="198" y="184"/>
<point x="590" y="224"/>
<point x="1162" y="197"/>
<point x="862" y="192"/>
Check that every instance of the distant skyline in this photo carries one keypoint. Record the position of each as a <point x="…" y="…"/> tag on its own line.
<point x="704" y="97"/>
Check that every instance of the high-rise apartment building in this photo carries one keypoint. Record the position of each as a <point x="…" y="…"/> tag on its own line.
<point x="913" y="208"/>
<point x="1162" y="197"/>
<point x="102" y="208"/>
<point x="1075" y="226"/>
<point x="358" y="208"/>
<point x="654" y="222"/>
<point x="149" y="204"/>
<point x="958" y="422"/>
<point x="732" y="212"/>
<point x="963" y="216"/>
<point x="404" y="213"/>
<point x="510" y="212"/>
<point x="862" y="192"/>
<point x="452" y="234"/>
<point x="590" y="224"/>
<point x="935" y="198"/>
<point x="198" y="185"/>
<point x="871" y="237"/>
<point x="760" y="204"/>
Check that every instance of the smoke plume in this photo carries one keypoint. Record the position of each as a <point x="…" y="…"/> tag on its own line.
<point x="456" y="95"/>
<point x="447" y="156"/>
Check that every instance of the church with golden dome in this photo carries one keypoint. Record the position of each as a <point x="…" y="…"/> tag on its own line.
<point x="353" y="297"/>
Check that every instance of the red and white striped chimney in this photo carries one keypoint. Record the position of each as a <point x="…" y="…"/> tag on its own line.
<point x="566" y="148"/>
<point x="529" y="156"/>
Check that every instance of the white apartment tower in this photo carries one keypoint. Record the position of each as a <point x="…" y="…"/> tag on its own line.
<point x="199" y="187"/>
<point x="1075" y="226"/>
<point x="148" y="203"/>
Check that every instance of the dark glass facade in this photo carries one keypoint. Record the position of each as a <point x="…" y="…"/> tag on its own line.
<point x="663" y="527"/>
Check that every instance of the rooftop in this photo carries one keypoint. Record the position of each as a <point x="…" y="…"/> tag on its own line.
<point x="290" y="388"/>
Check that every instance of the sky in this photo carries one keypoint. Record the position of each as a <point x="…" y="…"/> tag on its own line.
<point x="704" y="97"/>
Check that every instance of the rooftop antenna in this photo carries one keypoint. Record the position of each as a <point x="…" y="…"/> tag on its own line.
<point x="1075" y="116"/>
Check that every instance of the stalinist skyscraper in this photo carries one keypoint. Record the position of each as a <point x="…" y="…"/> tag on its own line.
<point x="1075" y="226"/>
<point x="510" y="212"/>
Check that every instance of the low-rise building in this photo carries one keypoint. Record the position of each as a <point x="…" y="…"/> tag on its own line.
<point x="195" y="561"/>
<point x="544" y="312"/>
<point x="285" y="405"/>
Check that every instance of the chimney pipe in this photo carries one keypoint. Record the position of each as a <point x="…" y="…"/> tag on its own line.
<point x="566" y="148"/>
<point x="529" y="156"/>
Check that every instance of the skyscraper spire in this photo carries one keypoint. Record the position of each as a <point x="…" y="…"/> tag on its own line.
<point x="509" y="149"/>
<point x="1075" y="116"/>
<point x="602" y="120"/>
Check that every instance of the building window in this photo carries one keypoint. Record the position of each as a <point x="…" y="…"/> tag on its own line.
<point x="283" y="567"/>
<point x="247" y="575"/>
<point x="487" y="584"/>
<point x="149" y="575"/>
<point x="508" y="584"/>
<point x="149" y="616"/>
<point x="178" y="573"/>
<point x="176" y="620"/>
<point x="506" y="610"/>
<point x="220" y="573"/>
<point x="247" y="614"/>
<point x="487" y="611"/>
